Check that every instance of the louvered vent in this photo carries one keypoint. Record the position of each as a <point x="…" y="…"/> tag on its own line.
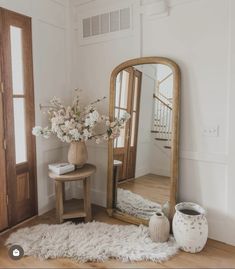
<point x="114" y="21"/>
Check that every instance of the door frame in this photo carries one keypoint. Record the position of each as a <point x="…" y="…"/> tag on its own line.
<point x="8" y="18"/>
<point x="3" y="181"/>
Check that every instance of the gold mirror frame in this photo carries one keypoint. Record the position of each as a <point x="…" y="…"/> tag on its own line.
<point x="175" y="136"/>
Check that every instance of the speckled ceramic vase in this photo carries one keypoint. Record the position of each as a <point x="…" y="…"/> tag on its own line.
<point x="190" y="227"/>
<point x="159" y="228"/>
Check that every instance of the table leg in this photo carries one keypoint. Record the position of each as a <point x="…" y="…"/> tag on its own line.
<point x="59" y="201"/>
<point x="63" y="191"/>
<point x="87" y="198"/>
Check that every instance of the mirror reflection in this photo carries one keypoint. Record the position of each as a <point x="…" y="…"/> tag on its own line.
<point x="142" y="153"/>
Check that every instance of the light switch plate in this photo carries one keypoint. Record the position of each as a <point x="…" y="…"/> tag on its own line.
<point x="211" y="131"/>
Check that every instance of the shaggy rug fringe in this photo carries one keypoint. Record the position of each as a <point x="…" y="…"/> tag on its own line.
<point x="92" y="242"/>
<point x="135" y="205"/>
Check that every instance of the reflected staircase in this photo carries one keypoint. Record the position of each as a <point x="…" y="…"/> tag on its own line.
<point x="162" y="120"/>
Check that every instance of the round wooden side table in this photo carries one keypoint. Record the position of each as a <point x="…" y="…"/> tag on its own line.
<point x="83" y="174"/>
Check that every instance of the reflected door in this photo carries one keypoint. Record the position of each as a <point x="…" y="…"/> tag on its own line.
<point x="127" y="99"/>
<point x="134" y="123"/>
<point x="18" y="116"/>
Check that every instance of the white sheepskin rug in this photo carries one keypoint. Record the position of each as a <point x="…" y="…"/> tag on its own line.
<point x="92" y="242"/>
<point x="135" y="205"/>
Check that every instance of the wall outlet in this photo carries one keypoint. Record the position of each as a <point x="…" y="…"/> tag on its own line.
<point x="211" y="131"/>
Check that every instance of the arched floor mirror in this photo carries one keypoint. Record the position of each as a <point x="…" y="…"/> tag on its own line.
<point x="143" y="161"/>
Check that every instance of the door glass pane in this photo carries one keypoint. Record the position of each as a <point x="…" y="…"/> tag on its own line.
<point x="117" y="112"/>
<point x="133" y="126"/>
<point x="17" y="59"/>
<point x="118" y="85"/>
<point x="135" y="93"/>
<point x="124" y="89"/>
<point x="20" y="130"/>
<point x="120" y="141"/>
<point x="121" y="138"/>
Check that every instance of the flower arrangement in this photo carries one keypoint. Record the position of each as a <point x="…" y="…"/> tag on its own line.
<point x="79" y="124"/>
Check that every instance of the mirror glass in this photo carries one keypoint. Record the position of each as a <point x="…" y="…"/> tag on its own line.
<point x="142" y="152"/>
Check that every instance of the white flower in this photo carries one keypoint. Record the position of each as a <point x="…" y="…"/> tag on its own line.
<point x="57" y="120"/>
<point x="92" y="118"/>
<point x="115" y="132"/>
<point x="75" y="134"/>
<point x="95" y="115"/>
<point x="88" y="122"/>
<point x="86" y="134"/>
<point x="68" y="125"/>
<point x="56" y="129"/>
<point x="72" y="123"/>
<point x="60" y="135"/>
<point x="46" y="132"/>
<point x="67" y="139"/>
<point x="126" y="116"/>
<point x="37" y="131"/>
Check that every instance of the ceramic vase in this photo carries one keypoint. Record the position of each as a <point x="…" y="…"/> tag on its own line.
<point x="166" y="209"/>
<point x="190" y="227"/>
<point x="159" y="228"/>
<point x="77" y="154"/>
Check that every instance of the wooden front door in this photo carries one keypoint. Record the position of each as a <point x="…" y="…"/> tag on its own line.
<point x="18" y="161"/>
<point x="128" y="88"/>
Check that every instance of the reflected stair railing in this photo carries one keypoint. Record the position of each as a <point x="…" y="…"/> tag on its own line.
<point x="162" y="121"/>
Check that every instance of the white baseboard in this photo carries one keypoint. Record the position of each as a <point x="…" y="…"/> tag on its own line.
<point x="160" y="172"/>
<point x="141" y="172"/>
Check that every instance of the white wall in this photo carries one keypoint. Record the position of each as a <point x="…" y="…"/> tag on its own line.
<point x="166" y="86"/>
<point x="230" y="211"/>
<point x="199" y="36"/>
<point x="160" y="158"/>
<point x="51" y="56"/>
<point x="145" y="123"/>
<point x="201" y="49"/>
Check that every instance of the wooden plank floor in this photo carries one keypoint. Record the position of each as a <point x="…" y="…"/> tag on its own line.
<point x="152" y="187"/>
<point x="215" y="255"/>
